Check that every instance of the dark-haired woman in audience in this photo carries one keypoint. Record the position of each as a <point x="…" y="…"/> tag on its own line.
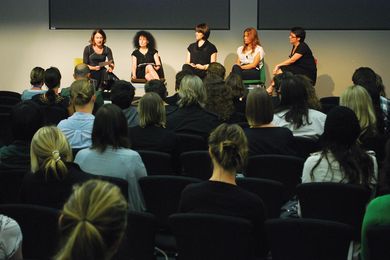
<point x="96" y="54"/>
<point x="200" y="53"/>
<point x="301" y="59"/>
<point x="52" y="98"/>
<point x="228" y="150"/>
<point x="239" y="93"/>
<point x="264" y="137"/>
<point x="250" y="56"/>
<point x="146" y="62"/>
<point x="92" y="222"/>
<point x="151" y="133"/>
<point x="110" y="153"/>
<point x="52" y="172"/>
<point x="37" y="79"/>
<point x="294" y="112"/>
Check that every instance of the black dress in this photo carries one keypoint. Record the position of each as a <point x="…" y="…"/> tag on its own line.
<point x="142" y="59"/>
<point x="91" y="58"/>
<point x="200" y="55"/>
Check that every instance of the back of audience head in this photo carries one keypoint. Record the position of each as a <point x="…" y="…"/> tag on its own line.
<point x="381" y="86"/>
<point x="312" y="99"/>
<point x="179" y="76"/>
<point x="81" y="71"/>
<point x="26" y="118"/>
<point x="358" y="100"/>
<point x="151" y="110"/>
<point x="219" y="97"/>
<point x="82" y="92"/>
<point x="235" y="83"/>
<point x="122" y="93"/>
<point x="259" y="109"/>
<point x="278" y="78"/>
<point x="49" y="151"/>
<point x="216" y="68"/>
<point x="109" y="129"/>
<point x="192" y="91"/>
<point x="228" y="147"/>
<point x="52" y="81"/>
<point x="93" y="222"/>
<point x="157" y="86"/>
<point x="37" y="77"/>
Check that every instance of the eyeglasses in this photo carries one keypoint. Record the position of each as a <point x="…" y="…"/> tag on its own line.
<point x="292" y="36"/>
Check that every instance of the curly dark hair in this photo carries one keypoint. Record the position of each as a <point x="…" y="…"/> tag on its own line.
<point x="148" y="36"/>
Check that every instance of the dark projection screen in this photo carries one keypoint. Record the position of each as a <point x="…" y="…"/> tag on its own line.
<point x="329" y="14"/>
<point x="138" y="14"/>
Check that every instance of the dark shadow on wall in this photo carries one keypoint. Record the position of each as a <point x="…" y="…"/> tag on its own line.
<point x="324" y="86"/>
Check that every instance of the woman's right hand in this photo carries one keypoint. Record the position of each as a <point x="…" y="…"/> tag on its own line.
<point x="96" y="68"/>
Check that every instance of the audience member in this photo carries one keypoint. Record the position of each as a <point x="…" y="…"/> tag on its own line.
<point x="93" y="222"/>
<point x="122" y="95"/>
<point x="172" y="100"/>
<point x="159" y="87"/>
<point x="312" y="99"/>
<point x="10" y="239"/>
<point x="239" y="92"/>
<point x="53" y="173"/>
<point x="36" y="80"/>
<point x="217" y="69"/>
<point x="110" y="153"/>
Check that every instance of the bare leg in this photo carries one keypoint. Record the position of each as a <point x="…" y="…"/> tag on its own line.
<point x="150" y="73"/>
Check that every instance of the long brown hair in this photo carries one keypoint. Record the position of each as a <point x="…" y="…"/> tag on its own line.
<point x="253" y="36"/>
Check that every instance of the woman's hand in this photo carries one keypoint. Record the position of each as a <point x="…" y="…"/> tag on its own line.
<point x="276" y="69"/>
<point x="96" y="68"/>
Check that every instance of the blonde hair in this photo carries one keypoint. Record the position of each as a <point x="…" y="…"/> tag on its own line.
<point x="191" y="91"/>
<point x="151" y="110"/>
<point x="228" y="146"/>
<point x="93" y="222"/>
<point x="81" y="92"/>
<point x="357" y="99"/>
<point x="49" y="151"/>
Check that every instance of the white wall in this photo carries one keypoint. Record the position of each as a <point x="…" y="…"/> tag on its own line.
<point x="27" y="42"/>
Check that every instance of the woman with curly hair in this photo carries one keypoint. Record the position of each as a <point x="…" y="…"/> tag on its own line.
<point x="145" y="59"/>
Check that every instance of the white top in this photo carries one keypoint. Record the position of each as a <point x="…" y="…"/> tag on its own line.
<point x="324" y="173"/>
<point x="248" y="56"/>
<point x="120" y="163"/>
<point x="10" y="237"/>
<point x="312" y="130"/>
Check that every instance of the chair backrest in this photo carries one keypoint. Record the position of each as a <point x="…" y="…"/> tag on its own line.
<point x="5" y="93"/>
<point x="272" y="193"/>
<point x="9" y="100"/>
<point x="304" y="146"/>
<point x="162" y="194"/>
<point x="10" y="184"/>
<point x="188" y="142"/>
<point x="139" y="239"/>
<point x="39" y="227"/>
<point x="345" y="203"/>
<point x="327" y="103"/>
<point x="196" y="164"/>
<point x="207" y="236"/>
<point x="283" y="168"/>
<point x="5" y="129"/>
<point x="121" y="183"/>
<point x="292" y="239"/>
<point x="378" y="241"/>
<point x="157" y="163"/>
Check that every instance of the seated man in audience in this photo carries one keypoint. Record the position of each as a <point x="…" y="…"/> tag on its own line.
<point x="122" y="95"/>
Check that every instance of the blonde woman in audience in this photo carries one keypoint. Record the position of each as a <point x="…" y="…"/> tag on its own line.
<point x="93" y="222"/>
<point x="78" y="127"/>
<point x="37" y="81"/>
<point x="52" y="171"/>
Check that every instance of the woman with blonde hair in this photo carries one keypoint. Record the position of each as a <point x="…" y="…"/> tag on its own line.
<point x="250" y="56"/>
<point x="93" y="222"/>
<point x="52" y="172"/>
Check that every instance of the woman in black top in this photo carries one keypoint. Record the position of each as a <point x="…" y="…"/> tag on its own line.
<point x="200" y="53"/>
<point x="301" y="60"/>
<point x="95" y="54"/>
<point x="145" y="60"/>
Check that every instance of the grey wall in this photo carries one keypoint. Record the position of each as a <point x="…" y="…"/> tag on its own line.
<point x="27" y="42"/>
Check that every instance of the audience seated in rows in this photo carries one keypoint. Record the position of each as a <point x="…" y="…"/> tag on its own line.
<point x="78" y="127"/>
<point x="26" y="119"/>
<point x="151" y="133"/>
<point x="294" y="112"/>
<point x="37" y="81"/>
<point x="93" y="222"/>
<point x="221" y="195"/>
<point x="53" y="173"/>
<point x="122" y="95"/>
<point x="110" y="153"/>
<point x="264" y="137"/>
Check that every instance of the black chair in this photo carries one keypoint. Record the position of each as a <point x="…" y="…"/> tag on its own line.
<point x="6" y="93"/>
<point x="6" y="109"/>
<point x="157" y="163"/>
<point x="121" y="183"/>
<point x="138" y="241"/>
<point x="308" y="239"/>
<point x="39" y="227"/>
<point x="207" y="236"/>
<point x="271" y="192"/>
<point x="283" y="168"/>
<point x="327" y="103"/>
<point x="304" y="146"/>
<point x="196" y="164"/>
<point x="188" y="142"/>
<point x="10" y="184"/>
<point x="9" y="101"/>
<point x="5" y="129"/>
<point x="378" y="241"/>
<point x="344" y="203"/>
